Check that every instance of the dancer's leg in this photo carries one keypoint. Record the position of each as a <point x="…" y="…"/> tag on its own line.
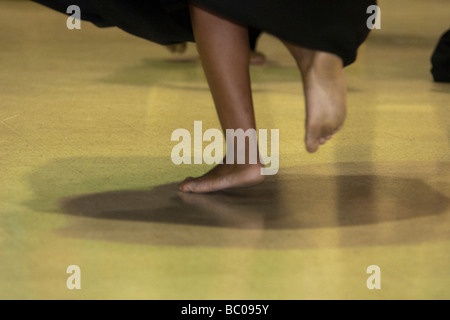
<point x="223" y="47"/>
<point x="325" y="94"/>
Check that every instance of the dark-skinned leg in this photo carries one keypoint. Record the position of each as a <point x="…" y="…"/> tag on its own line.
<point x="224" y="51"/>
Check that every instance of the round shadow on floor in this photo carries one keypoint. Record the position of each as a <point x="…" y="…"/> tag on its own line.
<point x="284" y="202"/>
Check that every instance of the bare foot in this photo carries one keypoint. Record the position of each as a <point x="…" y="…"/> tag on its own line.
<point x="325" y="97"/>
<point x="224" y="176"/>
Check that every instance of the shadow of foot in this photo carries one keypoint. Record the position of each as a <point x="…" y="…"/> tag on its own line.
<point x="297" y="202"/>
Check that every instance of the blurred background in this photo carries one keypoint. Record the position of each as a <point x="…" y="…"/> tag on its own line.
<point x="86" y="178"/>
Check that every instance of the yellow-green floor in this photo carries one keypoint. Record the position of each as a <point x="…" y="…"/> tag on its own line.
<point x="86" y="178"/>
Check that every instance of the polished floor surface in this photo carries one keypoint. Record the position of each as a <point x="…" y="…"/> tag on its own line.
<point x="86" y="118"/>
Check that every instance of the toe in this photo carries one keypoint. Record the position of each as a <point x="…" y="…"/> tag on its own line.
<point x="182" y="187"/>
<point x="312" y="145"/>
<point x="185" y="185"/>
<point x="187" y="180"/>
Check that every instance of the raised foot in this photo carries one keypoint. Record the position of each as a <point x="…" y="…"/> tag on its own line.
<point x="325" y="97"/>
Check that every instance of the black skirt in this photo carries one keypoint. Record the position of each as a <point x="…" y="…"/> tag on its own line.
<point x="335" y="26"/>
